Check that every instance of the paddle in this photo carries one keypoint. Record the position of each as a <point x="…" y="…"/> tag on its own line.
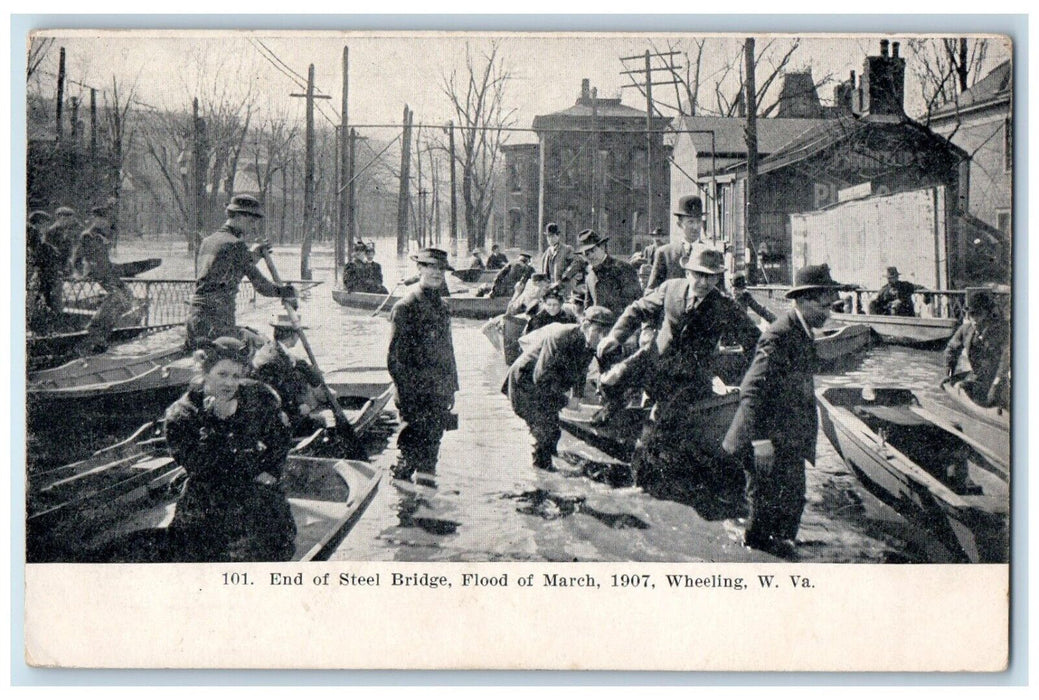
<point x="387" y="299"/>
<point x="344" y="431"/>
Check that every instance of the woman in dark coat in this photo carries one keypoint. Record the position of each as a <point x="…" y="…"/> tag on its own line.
<point x="549" y="310"/>
<point x="232" y="438"/>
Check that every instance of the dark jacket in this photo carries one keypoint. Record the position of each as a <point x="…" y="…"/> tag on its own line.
<point x="613" y="284"/>
<point x="223" y="260"/>
<point x="687" y="340"/>
<point x="363" y="276"/>
<point x="894" y="299"/>
<point x="91" y="255"/>
<point x="496" y="261"/>
<point x="987" y="349"/>
<point x="546" y="372"/>
<point x="289" y="376"/>
<point x="421" y="357"/>
<point x="540" y="319"/>
<point x="667" y="264"/>
<point x="747" y="301"/>
<point x="555" y="263"/>
<point x="63" y="235"/>
<point x="777" y="395"/>
<point x="504" y="284"/>
<point x="225" y="513"/>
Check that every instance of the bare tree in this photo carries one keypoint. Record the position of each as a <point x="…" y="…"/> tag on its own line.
<point x="120" y="135"/>
<point x="477" y="96"/>
<point x="945" y="68"/>
<point x="38" y="50"/>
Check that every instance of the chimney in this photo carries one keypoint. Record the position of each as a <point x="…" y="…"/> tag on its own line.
<point x="894" y="49"/>
<point x="882" y="86"/>
<point x="883" y="47"/>
<point x="584" y="89"/>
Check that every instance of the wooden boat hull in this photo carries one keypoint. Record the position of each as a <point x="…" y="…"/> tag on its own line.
<point x="972" y="525"/>
<point x="459" y="306"/>
<point x="903" y="330"/>
<point x="49" y="351"/>
<point x="476" y="276"/>
<point x="833" y="345"/>
<point x="116" y="505"/>
<point x="989" y="426"/>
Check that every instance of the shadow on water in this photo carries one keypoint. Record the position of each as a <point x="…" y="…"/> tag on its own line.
<point x="418" y="511"/>
<point x="550" y="506"/>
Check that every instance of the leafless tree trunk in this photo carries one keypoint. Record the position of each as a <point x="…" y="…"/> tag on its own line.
<point x="37" y="52"/>
<point x="945" y="68"/>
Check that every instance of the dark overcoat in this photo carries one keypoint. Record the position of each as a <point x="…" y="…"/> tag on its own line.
<point x="555" y="262"/>
<point x="667" y="263"/>
<point x="421" y="357"/>
<point x="613" y="284"/>
<point x="539" y="379"/>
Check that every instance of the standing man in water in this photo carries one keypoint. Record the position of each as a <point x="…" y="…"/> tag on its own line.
<point x="775" y="426"/>
<point x="421" y="360"/>
<point x="223" y="259"/>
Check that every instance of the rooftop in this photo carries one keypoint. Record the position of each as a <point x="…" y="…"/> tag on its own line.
<point x="995" y="86"/>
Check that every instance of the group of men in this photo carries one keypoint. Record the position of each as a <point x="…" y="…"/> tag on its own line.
<point x="60" y="248"/>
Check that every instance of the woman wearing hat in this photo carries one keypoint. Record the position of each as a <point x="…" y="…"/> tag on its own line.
<point x="775" y="426"/>
<point x="232" y="438"/>
<point x="421" y="360"/>
<point x="550" y="310"/>
<point x="223" y="260"/>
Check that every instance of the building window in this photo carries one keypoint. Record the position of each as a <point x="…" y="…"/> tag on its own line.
<point x="515" y="183"/>
<point x="1003" y="222"/>
<point x="568" y="167"/>
<point x="1008" y="145"/>
<point x="638" y="169"/>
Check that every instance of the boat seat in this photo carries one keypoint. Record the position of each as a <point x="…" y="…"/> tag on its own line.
<point x="897" y="415"/>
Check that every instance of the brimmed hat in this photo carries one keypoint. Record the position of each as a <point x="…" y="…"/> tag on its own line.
<point x="360" y="247"/>
<point x="690" y="205"/>
<point x="227" y="348"/>
<point x="588" y="239"/>
<point x="245" y="204"/>
<point x="709" y="261"/>
<point x="811" y="278"/>
<point x="525" y="254"/>
<point x="64" y="211"/>
<point x="658" y="231"/>
<point x="432" y="256"/>
<point x="551" y="229"/>
<point x="739" y="280"/>
<point x="891" y="272"/>
<point x="600" y="315"/>
<point x="39" y="217"/>
<point x="556" y="291"/>
<point x="100" y="210"/>
<point x="980" y="300"/>
<point x="538" y="277"/>
<point x="283" y="321"/>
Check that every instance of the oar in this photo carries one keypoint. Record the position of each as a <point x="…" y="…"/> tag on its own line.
<point x="345" y="431"/>
<point x="387" y="299"/>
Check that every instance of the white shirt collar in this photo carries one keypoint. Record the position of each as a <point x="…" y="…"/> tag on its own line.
<point x="804" y="323"/>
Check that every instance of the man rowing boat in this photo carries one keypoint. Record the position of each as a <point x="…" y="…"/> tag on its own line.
<point x="224" y="259"/>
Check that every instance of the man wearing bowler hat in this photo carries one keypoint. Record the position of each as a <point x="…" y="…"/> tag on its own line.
<point x="690" y="316"/>
<point x="516" y="272"/>
<point x="223" y="260"/>
<point x="91" y="260"/>
<point x="896" y="297"/>
<point x="421" y="360"/>
<point x="775" y="425"/>
<point x="668" y="259"/>
<point x="557" y="256"/>
<point x="611" y="282"/>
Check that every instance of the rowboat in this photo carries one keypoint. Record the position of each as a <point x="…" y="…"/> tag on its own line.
<point x="903" y="330"/>
<point x="986" y="425"/>
<point x="54" y="349"/>
<point x="116" y="505"/>
<point x="476" y="276"/>
<point x="834" y="344"/>
<point x="460" y="305"/>
<point x="936" y="478"/>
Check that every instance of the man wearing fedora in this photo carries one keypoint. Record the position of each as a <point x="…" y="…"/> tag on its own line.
<point x="690" y="316"/>
<point x="421" y="360"/>
<point x="775" y="426"/>
<point x="223" y="260"/>
<point x="611" y="282"/>
<point x="668" y="259"/>
<point x="516" y="272"/>
<point x="984" y="338"/>
<point x="896" y="297"/>
<point x="91" y="260"/>
<point x="538" y="381"/>
<point x="557" y="256"/>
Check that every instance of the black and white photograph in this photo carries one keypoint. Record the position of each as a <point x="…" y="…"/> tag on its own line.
<point x="326" y="298"/>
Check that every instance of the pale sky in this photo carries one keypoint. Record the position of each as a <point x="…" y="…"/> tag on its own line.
<point x="389" y="70"/>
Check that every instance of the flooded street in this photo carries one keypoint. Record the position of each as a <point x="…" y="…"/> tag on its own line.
<point x="492" y="505"/>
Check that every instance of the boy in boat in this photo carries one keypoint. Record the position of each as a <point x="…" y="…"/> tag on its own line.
<point x="984" y="337"/>
<point x="223" y="259"/>
<point x="421" y="360"/>
<point x="91" y="261"/>
<point x="690" y="316"/>
<point x="538" y="381"/>
<point x="775" y="426"/>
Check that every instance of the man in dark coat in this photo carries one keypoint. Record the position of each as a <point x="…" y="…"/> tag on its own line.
<point x="538" y="381"/>
<point x="45" y="267"/>
<point x="557" y="256"/>
<point x="691" y="315"/>
<point x="508" y="277"/>
<point x="91" y="260"/>
<point x="895" y="298"/>
<point x="496" y="260"/>
<point x="984" y="337"/>
<point x="611" y="282"/>
<point x="775" y="426"/>
<point x="421" y="360"/>
<point x="223" y="260"/>
<point x="668" y="259"/>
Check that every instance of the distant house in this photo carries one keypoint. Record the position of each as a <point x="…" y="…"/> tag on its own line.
<point x="980" y="121"/>
<point x="592" y="171"/>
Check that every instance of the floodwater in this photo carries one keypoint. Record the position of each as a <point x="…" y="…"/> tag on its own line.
<point x="491" y="505"/>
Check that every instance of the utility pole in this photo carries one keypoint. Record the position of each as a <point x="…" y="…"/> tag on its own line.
<point x="751" y="222"/>
<point x="454" y="200"/>
<point x="351" y="199"/>
<point x="308" y="178"/>
<point x="93" y="123"/>
<point x="646" y="87"/>
<point x="199" y="160"/>
<point x="346" y="173"/>
<point x="74" y="120"/>
<point x="402" y="191"/>
<point x="61" y="93"/>
<point x="420" y="219"/>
